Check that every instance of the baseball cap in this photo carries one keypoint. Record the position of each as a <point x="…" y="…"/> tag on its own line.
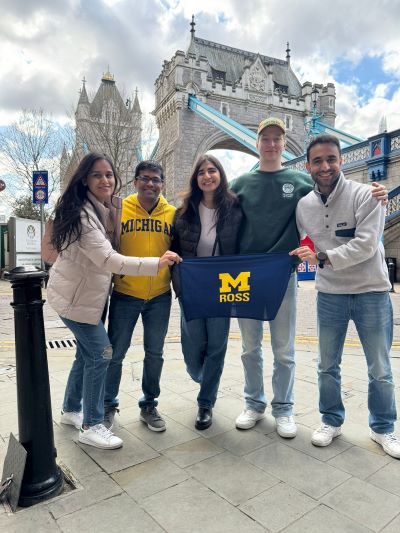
<point x="271" y="121"/>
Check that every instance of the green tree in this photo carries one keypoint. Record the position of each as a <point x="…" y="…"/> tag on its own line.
<point x="23" y="207"/>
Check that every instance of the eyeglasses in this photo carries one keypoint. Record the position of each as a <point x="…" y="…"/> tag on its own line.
<point x="148" y="179"/>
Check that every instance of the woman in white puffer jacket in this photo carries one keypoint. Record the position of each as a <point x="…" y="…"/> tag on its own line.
<point x="85" y="233"/>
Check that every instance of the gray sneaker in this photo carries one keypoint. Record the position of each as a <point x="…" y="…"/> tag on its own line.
<point x="150" y="416"/>
<point x="109" y="416"/>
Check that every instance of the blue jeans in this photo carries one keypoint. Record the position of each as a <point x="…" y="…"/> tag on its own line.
<point x="373" y="317"/>
<point x="282" y="331"/>
<point x="123" y="315"/>
<point x="204" y="343"/>
<point x="88" y="373"/>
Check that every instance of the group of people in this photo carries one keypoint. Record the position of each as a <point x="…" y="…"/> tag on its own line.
<point x="263" y="211"/>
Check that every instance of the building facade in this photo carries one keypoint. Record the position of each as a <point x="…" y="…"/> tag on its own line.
<point x="242" y="85"/>
<point x="108" y="124"/>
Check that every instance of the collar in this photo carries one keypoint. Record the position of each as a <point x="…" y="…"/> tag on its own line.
<point x="340" y="184"/>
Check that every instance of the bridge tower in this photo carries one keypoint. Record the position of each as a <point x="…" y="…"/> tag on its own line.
<point x="245" y="86"/>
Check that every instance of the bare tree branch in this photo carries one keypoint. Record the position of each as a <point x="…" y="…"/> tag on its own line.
<point x="34" y="142"/>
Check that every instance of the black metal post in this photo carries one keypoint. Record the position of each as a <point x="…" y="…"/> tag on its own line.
<point x="391" y="265"/>
<point x="42" y="477"/>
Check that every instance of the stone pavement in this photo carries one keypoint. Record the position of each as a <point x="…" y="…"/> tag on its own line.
<point x="221" y="479"/>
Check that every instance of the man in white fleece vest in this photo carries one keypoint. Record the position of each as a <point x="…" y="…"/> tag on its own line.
<point x="346" y="225"/>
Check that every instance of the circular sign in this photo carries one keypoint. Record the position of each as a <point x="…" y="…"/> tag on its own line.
<point x="40" y="195"/>
<point x="2" y="185"/>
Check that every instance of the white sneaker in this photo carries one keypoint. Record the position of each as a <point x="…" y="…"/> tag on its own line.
<point x="389" y="442"/>
<point x="72" y="418"/>
<point x="286" y="426"/>
<point x="99" y="437"/>
<point x="248" y="419"/>
<point x="325" y="434"/>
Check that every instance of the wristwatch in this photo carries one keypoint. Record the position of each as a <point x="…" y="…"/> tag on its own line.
<point x="322" y="257"/>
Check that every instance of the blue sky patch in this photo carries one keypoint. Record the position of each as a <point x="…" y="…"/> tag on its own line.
<point x="366" y="74"/>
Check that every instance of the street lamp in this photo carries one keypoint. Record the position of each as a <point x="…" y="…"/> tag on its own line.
<point x="310" y="124"/>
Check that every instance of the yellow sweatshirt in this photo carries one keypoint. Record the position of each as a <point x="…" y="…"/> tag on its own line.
<point x="145" y="235"/>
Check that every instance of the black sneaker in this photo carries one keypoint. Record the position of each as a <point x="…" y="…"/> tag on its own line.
<point x="150" y="416"/>
<point x="109" y="416"/>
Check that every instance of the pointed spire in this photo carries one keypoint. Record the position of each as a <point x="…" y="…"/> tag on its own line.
<point x="192" y="31"/>
<point x="64" y="154"/>
<point x="382" y="125"/>
<point x="287" y="53"/>
<point x="136" y="105"/>
<point x="83" y="97"/>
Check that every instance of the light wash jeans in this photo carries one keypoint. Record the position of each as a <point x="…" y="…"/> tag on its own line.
<point x="282" y="331"/>
<point x="123" y="315"/>
<point x="373" y="317"/>
<point x="88" y="373"/>
<point x="204" y="343"/>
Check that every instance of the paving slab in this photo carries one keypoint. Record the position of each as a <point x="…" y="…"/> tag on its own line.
<point x="364" y="503"/>
<point x="240" y="442"/>
<point x="388" y="477"/>
<point x="278" y="507"/>
<point x="191" y="507"/>
<point x="393" y="527"/>
<point x="148" y="478"/>
<point x="323" y="519"/>
<point x="225" y="475"/>
<point x="192" y="452"/>
<point x="358" y="462"/>
<point x="35" y="519"/>
<point x="313" y="477"/>
<point x="76" y="459"/>
<point x="118" y="514"/>
<point x="94" y="488"/>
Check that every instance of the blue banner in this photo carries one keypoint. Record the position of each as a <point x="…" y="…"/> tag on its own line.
<point x="243" y="286"/>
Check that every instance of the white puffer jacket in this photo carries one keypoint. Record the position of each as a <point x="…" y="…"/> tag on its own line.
<point x="80" y="278"/>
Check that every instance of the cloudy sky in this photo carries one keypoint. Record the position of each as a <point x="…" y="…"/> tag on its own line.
<point x="48" y="46"/>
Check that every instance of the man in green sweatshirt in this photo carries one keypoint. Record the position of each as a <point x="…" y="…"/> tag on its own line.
<point x="268" y="197"/>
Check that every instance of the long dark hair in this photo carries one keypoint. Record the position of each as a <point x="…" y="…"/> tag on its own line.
<point x="224" y="199"/>
<point x="67" y="225"/>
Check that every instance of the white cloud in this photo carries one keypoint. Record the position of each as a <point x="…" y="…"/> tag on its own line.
<point x="49" y="45"/>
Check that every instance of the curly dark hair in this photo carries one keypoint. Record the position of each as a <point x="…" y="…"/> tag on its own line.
<point x="224" y="199"/>
<point x="67" y="225"/>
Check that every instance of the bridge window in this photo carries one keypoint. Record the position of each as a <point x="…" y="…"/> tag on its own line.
<point x="218" y="74"/>
<point x="331" y="102"/>
<point x="289" y="122"/>
<point x="281" y="88"/>
<point x="225" y="109"/>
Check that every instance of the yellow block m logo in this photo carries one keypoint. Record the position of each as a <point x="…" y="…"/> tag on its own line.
<point x="241" y="282"/>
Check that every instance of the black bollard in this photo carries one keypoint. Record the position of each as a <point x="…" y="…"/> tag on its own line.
<point x="42" y="477"/>
<point x="391" y="265"/>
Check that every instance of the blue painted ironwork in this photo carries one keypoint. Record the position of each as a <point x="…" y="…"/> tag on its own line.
<point x="240" y="133"/>
<point x="345" y="138"/>
<point x="154" y="152"/>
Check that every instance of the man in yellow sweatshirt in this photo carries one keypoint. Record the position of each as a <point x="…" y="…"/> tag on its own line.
<point x="145" y="232"/>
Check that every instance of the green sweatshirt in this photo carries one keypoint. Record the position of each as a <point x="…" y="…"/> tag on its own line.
<point x="268" y="201"/>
